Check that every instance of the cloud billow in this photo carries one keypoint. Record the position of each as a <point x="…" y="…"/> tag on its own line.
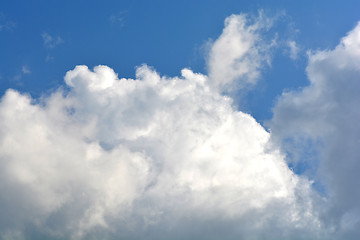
<point x="241" y="51"/>
<point x="326" y="112"/>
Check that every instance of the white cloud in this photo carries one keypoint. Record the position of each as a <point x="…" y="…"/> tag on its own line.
<point x="51" y="41"/>
<point x="147" y="154"/>
<point x="237" y="56"/>
<point x="326" y="112"/>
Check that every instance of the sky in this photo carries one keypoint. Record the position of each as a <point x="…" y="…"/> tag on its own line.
<point x="179" y="120"/>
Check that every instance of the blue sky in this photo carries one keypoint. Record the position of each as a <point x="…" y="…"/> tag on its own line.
<point x="167" y="35"/>
<point x="179" y="119"/>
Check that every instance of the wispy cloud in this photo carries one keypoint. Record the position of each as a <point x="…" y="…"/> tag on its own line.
<point x="25" y="69"/>
<point x="293" y="49"/>
<point x="6" y="24"/>
<point x="49" y="58"/>
<point x="51" y="41"/>
<point x="118" y="18"/>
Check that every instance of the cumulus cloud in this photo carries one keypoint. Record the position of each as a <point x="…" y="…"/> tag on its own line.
<point x="137" y="156"/>
<point x="326" y="114"/>
<point x="162" y="158"/>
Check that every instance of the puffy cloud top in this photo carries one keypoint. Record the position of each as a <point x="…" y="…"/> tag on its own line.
<point x="123" y="153"/>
